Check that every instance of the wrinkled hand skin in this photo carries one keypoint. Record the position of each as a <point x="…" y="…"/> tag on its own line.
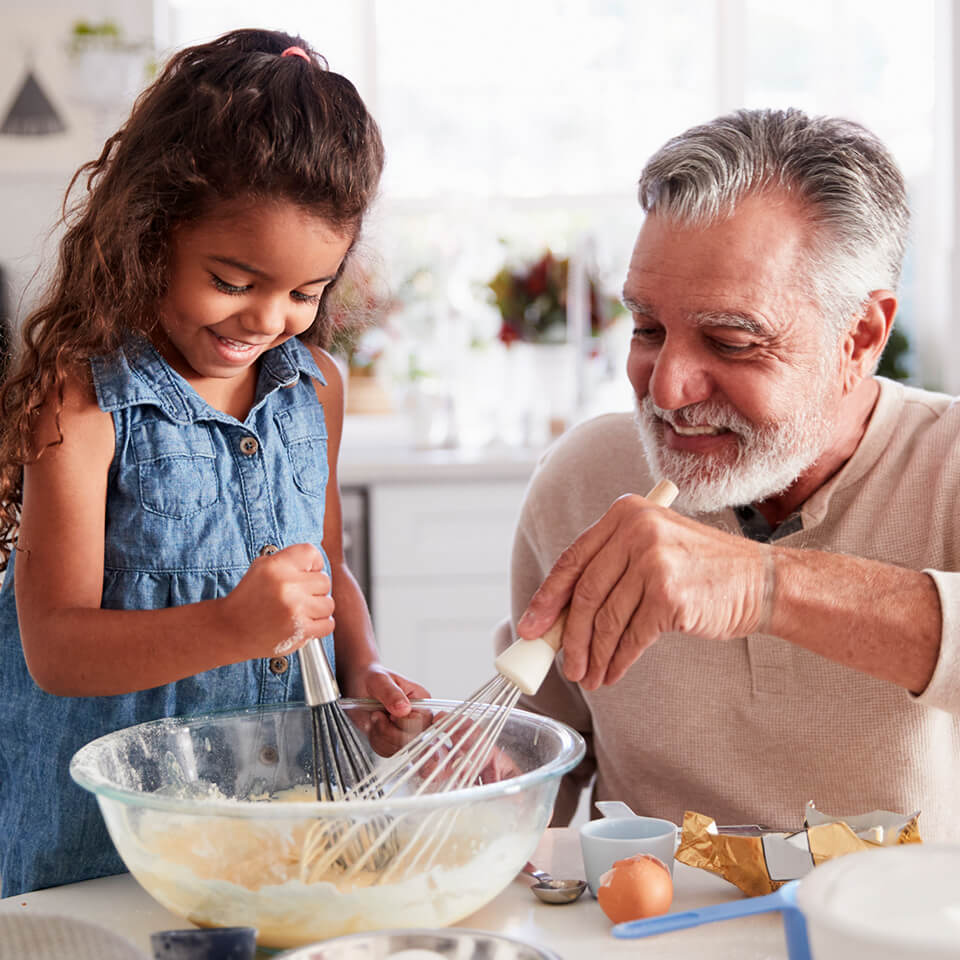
<point x="641" y="571"/>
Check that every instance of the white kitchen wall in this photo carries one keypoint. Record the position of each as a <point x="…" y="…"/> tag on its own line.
<point x="34" y="171"/>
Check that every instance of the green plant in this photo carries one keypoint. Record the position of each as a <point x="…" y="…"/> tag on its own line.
<point x="85" y="34"/>
<point x="532" y="301"/>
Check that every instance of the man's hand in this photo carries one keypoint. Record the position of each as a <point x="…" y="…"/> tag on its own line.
<point x="641" y="571"/>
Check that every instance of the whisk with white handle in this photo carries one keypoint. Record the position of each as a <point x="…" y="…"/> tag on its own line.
<point x="448" y="755"/>
<point x="524" y="664"/>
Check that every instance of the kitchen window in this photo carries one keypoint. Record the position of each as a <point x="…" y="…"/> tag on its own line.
<point x="513" y="126"/>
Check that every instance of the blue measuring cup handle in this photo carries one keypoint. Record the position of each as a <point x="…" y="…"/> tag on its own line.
<point x="784" y="899"/>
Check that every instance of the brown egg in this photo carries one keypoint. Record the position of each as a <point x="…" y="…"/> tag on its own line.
<point x="637" y="887"/>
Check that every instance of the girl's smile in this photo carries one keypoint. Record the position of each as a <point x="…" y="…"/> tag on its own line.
<point x="235" y="351"/>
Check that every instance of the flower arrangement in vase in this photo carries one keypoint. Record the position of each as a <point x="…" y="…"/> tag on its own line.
<point x="546" y="360"/>
<point x="532" y="300"/>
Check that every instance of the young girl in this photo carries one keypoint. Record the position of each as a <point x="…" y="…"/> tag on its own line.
<point x="171" y="430"/>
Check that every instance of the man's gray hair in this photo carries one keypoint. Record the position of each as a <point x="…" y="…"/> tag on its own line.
<point x="849" y="183"/>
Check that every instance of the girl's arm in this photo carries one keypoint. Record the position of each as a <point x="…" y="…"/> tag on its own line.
<point x="74" y="648"/>
<point x="358" y="662"/>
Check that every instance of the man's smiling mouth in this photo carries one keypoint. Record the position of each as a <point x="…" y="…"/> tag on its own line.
<point x="700" y="431"/>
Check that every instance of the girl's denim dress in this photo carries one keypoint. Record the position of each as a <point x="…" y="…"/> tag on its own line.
<point x="193" y="497"/>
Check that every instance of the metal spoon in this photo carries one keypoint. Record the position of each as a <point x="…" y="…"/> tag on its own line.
<point x="554" y="891"/>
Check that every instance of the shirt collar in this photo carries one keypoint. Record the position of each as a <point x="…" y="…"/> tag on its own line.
<point x="755" y="526"/>
<point x="282" y="366"/>
<point x="137" y="374"/>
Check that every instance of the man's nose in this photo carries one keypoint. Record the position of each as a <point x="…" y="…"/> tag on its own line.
<point x="679" y="378"/>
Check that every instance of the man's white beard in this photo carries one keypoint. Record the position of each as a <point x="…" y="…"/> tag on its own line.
<point x="769" y="457"/>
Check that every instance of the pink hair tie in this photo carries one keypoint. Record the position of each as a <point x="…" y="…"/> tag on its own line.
<point x="295" y="52"/>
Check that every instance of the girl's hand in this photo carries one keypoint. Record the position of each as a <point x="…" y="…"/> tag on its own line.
<point x="393" y="690"/>
<point x="388" y="732"/>
<point x="282" y="601"/>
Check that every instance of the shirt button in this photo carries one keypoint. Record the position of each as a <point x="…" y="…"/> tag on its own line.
<point x="269" y="549"/>
<point x="249" y="446"/>
<point x="278" y="665"/>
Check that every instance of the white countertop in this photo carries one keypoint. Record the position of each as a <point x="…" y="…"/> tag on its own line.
<point x="383" y="449"/>
<point x="361" y="465"/>
<point x="578" y="931"/>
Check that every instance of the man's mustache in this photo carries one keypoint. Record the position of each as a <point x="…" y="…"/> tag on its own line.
<point x="704" y="413"/>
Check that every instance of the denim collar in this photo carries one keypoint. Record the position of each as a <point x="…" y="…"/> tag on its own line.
<point x="136" y="374"/>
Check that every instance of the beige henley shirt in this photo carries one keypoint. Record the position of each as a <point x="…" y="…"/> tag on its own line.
<point x="748" y="730"/>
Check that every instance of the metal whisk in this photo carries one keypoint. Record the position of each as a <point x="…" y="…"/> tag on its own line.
<point x="448" y="755"/>
<point x="341" y="761"/>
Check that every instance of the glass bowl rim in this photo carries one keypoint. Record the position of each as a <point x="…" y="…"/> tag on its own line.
<point x="571" y="752"/>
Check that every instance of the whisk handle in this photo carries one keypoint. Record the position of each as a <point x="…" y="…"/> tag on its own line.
<point x="663" y="494"/>
<point x="319" y="683"/>
<point x="525" y="662"/>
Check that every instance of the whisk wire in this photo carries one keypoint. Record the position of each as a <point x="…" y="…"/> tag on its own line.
<point x="455" y="750"/>
<point x="497" y="695"/>
<point x="440" y="824"/>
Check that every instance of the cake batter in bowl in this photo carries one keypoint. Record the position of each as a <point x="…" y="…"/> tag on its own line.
<point x="213" y="816"/>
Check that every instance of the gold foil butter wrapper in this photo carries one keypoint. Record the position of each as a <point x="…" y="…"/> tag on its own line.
<point x="759" y="861"/>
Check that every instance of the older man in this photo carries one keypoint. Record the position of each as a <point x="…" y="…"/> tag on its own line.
<point x="790" y="630"/>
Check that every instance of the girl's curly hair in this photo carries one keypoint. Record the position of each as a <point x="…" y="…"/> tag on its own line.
<point x="224" y="120"/>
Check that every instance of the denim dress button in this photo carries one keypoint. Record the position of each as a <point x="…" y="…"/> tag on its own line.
<point x="249" y="446"/>
<point x="269" y="549"/>
<point x="278" y="665"/>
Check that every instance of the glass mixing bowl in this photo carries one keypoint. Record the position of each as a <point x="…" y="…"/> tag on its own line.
<point x="195" y="809"/>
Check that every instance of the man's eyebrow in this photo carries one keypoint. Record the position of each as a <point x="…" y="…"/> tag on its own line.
<point x="708" y="318"/>
<point x="240" y="265"/>
<point x="742" y="321"/>
<point x="639" y="307"/>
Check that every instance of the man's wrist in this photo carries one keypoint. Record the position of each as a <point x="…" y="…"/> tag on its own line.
<point x="784" y="584"/>
<point x="768" y="600"/>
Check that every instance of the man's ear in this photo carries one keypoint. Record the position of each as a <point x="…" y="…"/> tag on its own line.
<point x="863" y="343"/>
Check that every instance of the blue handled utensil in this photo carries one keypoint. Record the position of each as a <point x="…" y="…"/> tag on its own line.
<point x="784" y="900"/>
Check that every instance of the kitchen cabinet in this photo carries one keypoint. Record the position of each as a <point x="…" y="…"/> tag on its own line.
<point x="439" y="577"/>
<point x="438" y="526"/>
